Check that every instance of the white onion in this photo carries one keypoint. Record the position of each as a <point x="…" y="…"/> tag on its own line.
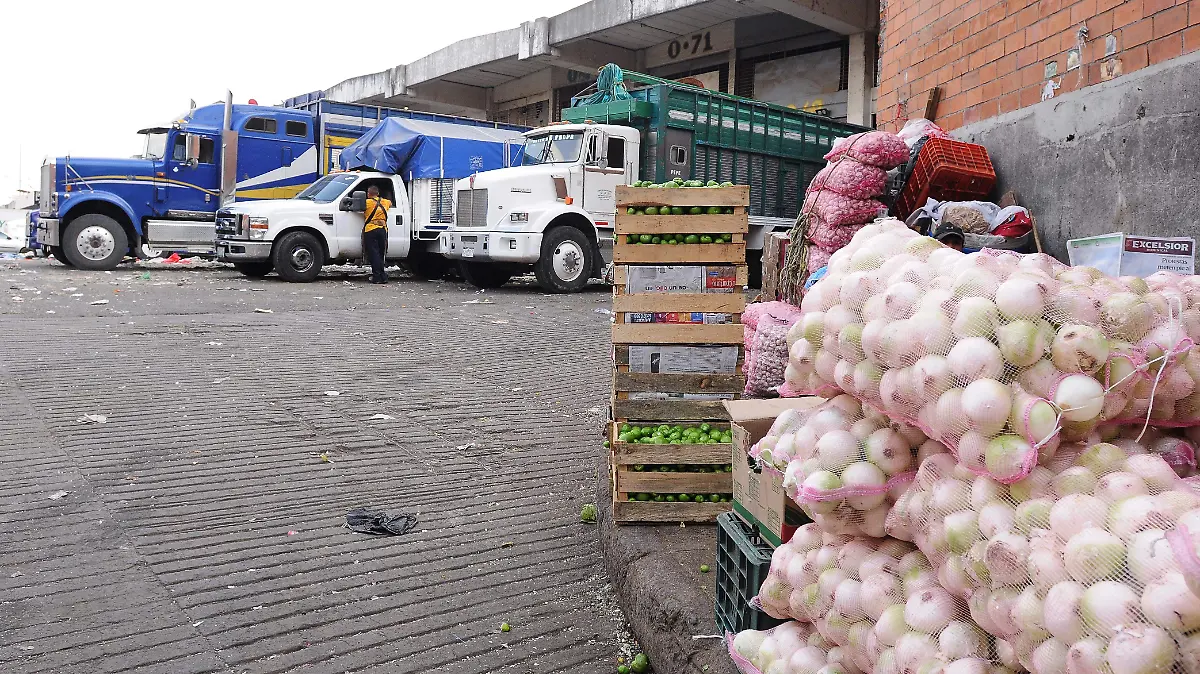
<point x="962" y="530"/>
<point x="913" y="648"/>
<point x="1000" y="603"/>
<point x="1075" y="512"/>
<point x="888" y="450"/>
<point x="1007" y="559"/>
<point x="1140" y="649"/>
<point x="1127" y="316"/>
<point x="1079" y="397"/>
<point x="1034" y="485"/>
<point x="1039" y="378"/>
<point x="901" y="299"/>
<point x="1107" y="605"/>
<point x="1153" y="471"/>
<point x="953" y="576"/>
<point x="1136" y="513"/>
<point x="874" y="309"/>
<point x="837" y="449"/>
<point x="846" y="598"/>
<point x="1022" y="343"/>
<point x="976" y="317"/>
<point x="1086" y="656"/>
<point x="1061" y="615"/>
<point x="1079" y="348"/>
<point x="1007" y="457"/>
<point x="869" y="478"/>
<point x="1050" y="657"/>
<point x="1119" y="486"/>
<point x="995" y="518"/>
<point x="1075" y="303"/>
<point x="1074" y="480"/>
<point x="1046" y="567"/>
<point x="987" y="404"/>
<point x="1093" y="554"/>
<point x="856" y="288"/>
<point x="975" y="358"/>
<point x="1168" y="603"/>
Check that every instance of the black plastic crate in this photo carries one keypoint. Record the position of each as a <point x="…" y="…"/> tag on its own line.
<point x="743" y="560"/>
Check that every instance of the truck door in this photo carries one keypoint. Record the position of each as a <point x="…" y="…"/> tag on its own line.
<point x="192" y="173"/>
<point x="348" y="226"/>
<point x="604" y="168"/>
<point x="399" y="221"/>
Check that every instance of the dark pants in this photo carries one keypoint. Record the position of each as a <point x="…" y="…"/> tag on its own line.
<point x="375" y="246"/>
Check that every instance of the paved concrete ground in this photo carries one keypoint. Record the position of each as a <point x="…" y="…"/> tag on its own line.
<point x="201" y="531"/>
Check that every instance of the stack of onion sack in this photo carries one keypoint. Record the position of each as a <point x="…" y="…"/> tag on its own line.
<point x="997" y="355"/>
<point x="766" y="329"/>
<point x="841" y="197"/>
<point x="843" y="464"/>
<point x="877" y="600"/>
<point x="791" y="648"/>
<point x="1088" y="565"/>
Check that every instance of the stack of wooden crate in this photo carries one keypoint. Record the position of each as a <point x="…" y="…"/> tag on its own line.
<point x="677" y="344"/>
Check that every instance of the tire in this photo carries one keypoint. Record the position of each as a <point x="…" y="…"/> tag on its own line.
<point x="484" y="274"/>
<point x="427" y="266"/>
<point x="95" y="242"/>
<point x="254" y="269"/>
<point x="57" y="252"/>
<point x="297" y="257"/>
<point x="566" y="261"/>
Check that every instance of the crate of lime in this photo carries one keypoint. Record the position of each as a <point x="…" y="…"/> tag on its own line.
<point x="677" y="346"/>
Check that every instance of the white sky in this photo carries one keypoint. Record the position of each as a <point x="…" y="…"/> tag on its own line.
<point x="81" y="76"/>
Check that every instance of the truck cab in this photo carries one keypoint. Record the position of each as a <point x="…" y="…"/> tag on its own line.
<point x="321" y="225"/>
<point x="554" y="213"/>
<point x="95" y="211"/>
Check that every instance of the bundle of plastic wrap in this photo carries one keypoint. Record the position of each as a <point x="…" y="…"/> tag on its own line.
<point x="844" y="465"/>
<point x="997" y="355"/>
<point x="850" y="178"/>
<point x="876" y="148"/>
<point x="878" y="600"/>
<point x="1087" y="565"/>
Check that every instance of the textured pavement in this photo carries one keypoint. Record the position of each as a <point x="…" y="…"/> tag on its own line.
<point x="202" y="529"/>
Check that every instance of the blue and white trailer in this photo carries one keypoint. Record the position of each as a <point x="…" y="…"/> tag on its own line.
<point x="95" y="212"/>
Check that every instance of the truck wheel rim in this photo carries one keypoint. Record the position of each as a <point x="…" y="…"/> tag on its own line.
<point x="568" y="261"/>
<point x="95" y="243"/>
<point x="302" y="259"/>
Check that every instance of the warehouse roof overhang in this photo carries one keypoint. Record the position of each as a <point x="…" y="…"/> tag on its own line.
<point x="465" y="74"/>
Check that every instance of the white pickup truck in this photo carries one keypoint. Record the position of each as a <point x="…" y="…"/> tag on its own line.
<point x="323" y="224"/>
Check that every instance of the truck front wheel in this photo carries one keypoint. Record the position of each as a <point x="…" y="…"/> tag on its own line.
<point x="298" y="257"/>
<point x="253" y="269"/>
<point x="95" y="242"/>
<point x="428" y="266"/>
<point x="566" y="261"/>
<point x="484" y="274"/>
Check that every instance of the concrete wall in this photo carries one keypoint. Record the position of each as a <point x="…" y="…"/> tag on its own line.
<point x="1119" y="156"/>
<point x="990" y="57"/>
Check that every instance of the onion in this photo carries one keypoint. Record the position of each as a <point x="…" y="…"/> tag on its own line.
<point x="1050" y="657"/>
<point x="987" y="404"/>
<point x="962" y="640"/>
<point x="843" y="375"/>
<point x="1079" y="397"/>
<point x="1136" y="513"/>
<point x="836" y="318"/>
<point x="1168" y="603"/>
<point x="948" y="413"/>
<point x="1127" y="316"/>
<point x="953" y="575"/>
<point x="846" y="599"/>
<point x="1028" y="610"/>
<point x="872" y="339"/>
<point x="1108" y="605"/>
<point x="1140" y="649"/>
<point x="1000" y="603"/>
<point x="807" y="660"/>
<point x="891" y="625"/>
<point x="962" y="530"/>
<point x="1119" y="486"/>
<point x="985" y="490"/>
<point x="937" y="300"/>
<point x="902" y="344"/>
<point x="825" y="363"/>
<point x="1046" y="567"/>
<point x="1021" y="297"/>
<point x="1101" y="458"/>
<point x="1093" y="554"/>
<point x="889" y="451"/>
<point x="868" y="480"/>
<point x="913" y="648"/>
<point x="856" y="288"/>
<point x="822" y="481"/>
<point x="901" y="299"/>
<point x="1075" y="512"/>
<point x="1034" y="485"/>
<point x="1039" y="378"/>
<point x="748" y="642"/>
<point x="879" y="591"/>
<point x="1061" y="616"/>
<point x="827" y="585"/>
<point x="976" y="317"/>
<point x="1074" y="480"/>
<point x="1079" y="348"/>
<point x="974" y="280"/>
<point x="813" y="327"/>
<point x="865" y="379"/>
<point x="1008" y="456"/>
<point x="975" y="358"/>
<point x="930" y="376"/>
<point x="1086" y="656"/>
<point x="1074" y="304"/>
<point x="977" y="604"/>
<point x="837" y="449"/>
<point x="930" y="610"/>
<point x="1022" y="343"/>
<point x="1007" y="559"/>
<point x="874" y="309"/>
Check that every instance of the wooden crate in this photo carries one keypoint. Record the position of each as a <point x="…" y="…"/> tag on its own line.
<point x="624" y="456"/>
<point x="627" y="481"/>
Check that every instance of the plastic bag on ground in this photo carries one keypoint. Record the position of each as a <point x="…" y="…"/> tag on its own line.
<point x="1086" y="565"/>
<point x="851" y="178"/>
<point x="844" y="465"/>
<point x="999" y="356"/>
<point x="877" y="148"/>
<point x="916" y="129"/>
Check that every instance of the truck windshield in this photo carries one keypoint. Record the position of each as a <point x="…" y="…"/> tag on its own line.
<point x="156" y="145"/>
<point x="552" y="148"/>
<point x="327" y="189"/>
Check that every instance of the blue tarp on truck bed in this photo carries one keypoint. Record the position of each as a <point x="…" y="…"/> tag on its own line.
<point x="415" y="148"/>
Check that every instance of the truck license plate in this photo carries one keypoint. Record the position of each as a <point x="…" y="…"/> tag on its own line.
<point x="468" y="252"/>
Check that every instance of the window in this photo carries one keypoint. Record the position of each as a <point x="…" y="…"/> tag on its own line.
<point x="328" y="188"/>
<point x="553" y="148"/>
<point x="616" y="153"/>
<point x="263" y="124"/>
<point x="206" y="150"/>
<point x="179" y="151"/>
<point x="678" y="155"/>
<point x="296" y="129"/>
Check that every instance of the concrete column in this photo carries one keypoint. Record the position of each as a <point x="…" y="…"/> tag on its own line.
<point x="732" y="79"/>
<point x="860" y="78"/>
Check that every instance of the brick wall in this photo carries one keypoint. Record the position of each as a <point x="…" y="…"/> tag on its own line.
<point x="990" y="56"/>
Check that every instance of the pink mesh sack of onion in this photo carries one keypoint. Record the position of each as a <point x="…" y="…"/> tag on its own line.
<point x="832" y="209"/>
<point x="997" y="355"/>
<point x="876" y="148"/>
<point x="790" y="648"/>
<point x="830" y="237"/>
<point x="1087" y="565"/>
<point x="877" y="601"/>
<point x="844" y="465"/>
<point x="767" y="360"/>
<point x="851" y="178"/>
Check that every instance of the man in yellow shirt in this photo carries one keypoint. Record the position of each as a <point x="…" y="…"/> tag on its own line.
<point x="375" y="237"/>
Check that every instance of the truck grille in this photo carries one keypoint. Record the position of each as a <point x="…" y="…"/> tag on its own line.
<point x="471" y="210"/>
<point x="227" y="224"/>
<point x="441" y="200"/>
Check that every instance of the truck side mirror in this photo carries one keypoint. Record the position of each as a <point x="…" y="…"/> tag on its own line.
<point x="355" y="203"/>
<point x="192" y="155"/>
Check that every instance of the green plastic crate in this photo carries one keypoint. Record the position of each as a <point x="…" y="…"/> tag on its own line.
<point x="743" y="560"/>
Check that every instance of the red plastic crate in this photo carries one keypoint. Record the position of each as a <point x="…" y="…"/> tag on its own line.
<point x="947" y="170"/>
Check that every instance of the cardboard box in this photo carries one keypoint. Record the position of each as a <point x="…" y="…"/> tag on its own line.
<point x="775" y="247"/>
<point x="758" y="497"/>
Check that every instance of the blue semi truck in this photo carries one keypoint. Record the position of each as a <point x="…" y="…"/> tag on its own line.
<point x="93" y="213"/>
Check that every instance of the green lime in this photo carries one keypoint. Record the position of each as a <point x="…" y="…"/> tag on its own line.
<point x="703" y="568"/>
<point x="651" y="210"/>
<point x="640" y="664"/>
<point x="706" y="427"/>
<point x="670" y="498"/>
<point x="631" y="210"/>
<point x="691" y="238"/>
<point x="727" y="237"/>
<point x="684" y="497"/>
<point x="698" y="498"/>
<point x="504" y="627"/>
<point x="637" y="467"/>
<point x="632" y="238"/>
<point x="727" y="469"/>
<point x="606" y="445"/>
<point x="714" y="498"/>
<point x="729" y="210"/>
<point x="726" y="184"/>
<point x="695" y="210"/>
<point x="713" y="183"/>
<point x="705" y="239"/>
<point x="673" y="241"/>
<point x="640" y="211"/>
<point x="676" y="210"/>
<point x="645" y="238"/>
<point x="664" y="469"/>
<point x="623" y="437"/>
<point x="659" y="498"/>
<point x="714" y="210"/>
<point x="625" y="428"/>
<point x="643" y="496"/>
<point x="622" y="669"/>
<point x="655" y="239"/>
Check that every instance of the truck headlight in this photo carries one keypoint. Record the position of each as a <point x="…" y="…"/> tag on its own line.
<point x="518" y="217"/>
<point x="258" y="227"/>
